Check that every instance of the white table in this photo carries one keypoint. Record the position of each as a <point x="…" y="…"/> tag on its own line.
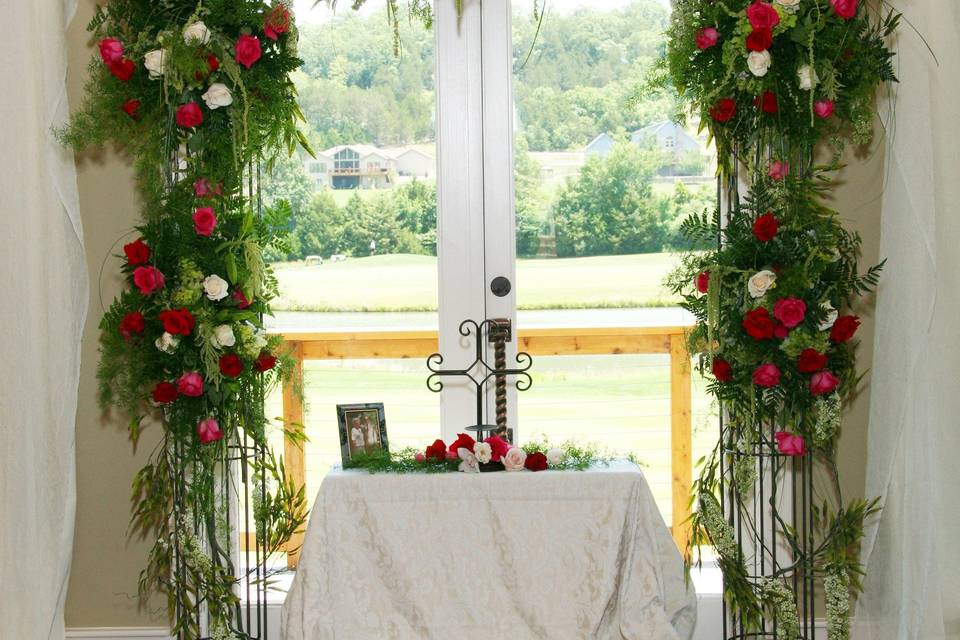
<point x="521" y="555"/>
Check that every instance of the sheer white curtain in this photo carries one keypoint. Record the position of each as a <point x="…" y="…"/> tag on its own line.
<point x="43" y="303"/>
<point x="912" y="552"/>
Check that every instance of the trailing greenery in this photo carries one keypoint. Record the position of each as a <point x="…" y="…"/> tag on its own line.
<point x="198" y="96"/>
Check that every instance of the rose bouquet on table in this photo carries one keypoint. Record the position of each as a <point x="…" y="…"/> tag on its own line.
<point x="198" y="95"/>
<point x="807" y="69"/>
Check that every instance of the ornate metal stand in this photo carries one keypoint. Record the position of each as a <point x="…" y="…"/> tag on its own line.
<point x="479" y="372"/>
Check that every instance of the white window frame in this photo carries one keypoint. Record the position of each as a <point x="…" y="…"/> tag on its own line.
<point x="475" y="204"/>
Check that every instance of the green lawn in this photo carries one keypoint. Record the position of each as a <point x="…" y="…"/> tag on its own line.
<point x="409" y="283"/>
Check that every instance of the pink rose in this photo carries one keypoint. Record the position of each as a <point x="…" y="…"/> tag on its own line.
<point x="190" y="384"/>
<point x="766" y="375"/>
<point x="204" y="221"/>
<point x="707" y="37"/>
<point x="499" y="447"/>
<point x="823" y="382"/>
<point x="789" y="444"/>
<point x="148" y="279"/>
<point x="111" y="50"/>
<point x="515" y="459"/>
<point x="452" y="456"/>
<point x="790" y="311"/>
<point x="823" y="108"/>
<point x="846" y="9"/>
<point x="209" y="431"/>
<point x="762" y="16"/>
<point x="419" y="457"/>
<point x="247" y="50"/>
<point x="203" y="189"/>
<point x="779" y="169"/>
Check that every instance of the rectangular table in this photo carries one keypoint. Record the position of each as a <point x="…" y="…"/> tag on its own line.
<point x="553" y="555"/>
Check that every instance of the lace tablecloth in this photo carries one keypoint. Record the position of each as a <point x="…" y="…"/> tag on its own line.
<point x="553" y="555"/>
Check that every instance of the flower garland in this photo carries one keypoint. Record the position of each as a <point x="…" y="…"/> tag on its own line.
<point x="466" y="455"/>
<point x="198" y="95"/>
<point x="772" y="80"/>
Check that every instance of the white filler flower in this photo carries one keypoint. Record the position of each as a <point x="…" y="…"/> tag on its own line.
<point x="759" y="62"/>
<point x="167" y="343"/>
<point x="217" y="95"/>
<point x="759" y="282"/>
<point x="196" y="33"/>
<point x="155" y="62"/>
<point x="215" y="287"/>
<point x="222" y="336"/>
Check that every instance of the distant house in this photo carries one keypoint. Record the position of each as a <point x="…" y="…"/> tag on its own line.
<point x="667" y="136"/>
<point x="363" y="166"/>
<point x="600" y="146"/>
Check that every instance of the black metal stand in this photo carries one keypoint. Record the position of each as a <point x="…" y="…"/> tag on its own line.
<point x="479" y="372"/>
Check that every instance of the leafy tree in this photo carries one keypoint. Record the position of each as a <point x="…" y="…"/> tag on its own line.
<point x="528" y="199"/>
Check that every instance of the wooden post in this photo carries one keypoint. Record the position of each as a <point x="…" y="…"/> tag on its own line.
<point x="293" y="458"/>
<point x="681" y="437"/>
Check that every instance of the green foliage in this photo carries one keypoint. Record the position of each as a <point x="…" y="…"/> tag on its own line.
<point x="182" y="170"/>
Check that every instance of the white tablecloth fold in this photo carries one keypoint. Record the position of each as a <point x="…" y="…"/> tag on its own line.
<point x="548" y="555"/>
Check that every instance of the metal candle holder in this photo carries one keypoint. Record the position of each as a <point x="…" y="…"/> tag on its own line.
<point x="479" y="372"/>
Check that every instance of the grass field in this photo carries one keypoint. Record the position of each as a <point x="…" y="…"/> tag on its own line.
<point x="619" y="402"/>
<point x="409" y="283"/>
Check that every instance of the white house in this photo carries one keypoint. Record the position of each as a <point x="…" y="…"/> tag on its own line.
<point x="363" y="166"/>
<point x="667" y="136"/>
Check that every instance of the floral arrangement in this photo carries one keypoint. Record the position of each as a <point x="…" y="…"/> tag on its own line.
<point x="798" y="70"/>
<point x="772" y="80"/>
<point x="467" y="455"/>
<point x="198" y="95"/>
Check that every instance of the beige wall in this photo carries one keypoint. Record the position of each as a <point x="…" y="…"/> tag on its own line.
<point x="103" y="582"/>
<point x="105" y="563"/>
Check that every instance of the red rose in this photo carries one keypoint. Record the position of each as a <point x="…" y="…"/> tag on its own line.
<point x="463" y="441"/>
<point x="707" y="37"/>
<point x="165" y="392"/>
<point x="204" y="221"/>
<point x="844" y="328"/>
<point x="213" y="62"/>
<point x="242" y="302"/>
<point x="247" y="50"/>
<point x="276" y="21"/>
<point x="823" y="382"/>
<point x="723" y="110"/>
<point x="264" y="362"/>
<point x="721" y="370"/>
<point x="811" y="361"/>
<point x="535" y="461"/>
<point x="762" y="16"/>
<point x="122" y="70"/>
<point x="137" y="252"/>
<point x="823" y="108"/>
<point x="190" y="384"/>
<point x="230" y="365"/>
<point x="148" y="279"/>
<point x="789" y="444"/>
<point x="703" y="281"/>
<point x="177" y="321"/>
<point x="758" y="324"/>
<point x="767" y="102"/>
<point x="111" y="50"/>
<point x="130" y="107"/>
<point x="765" y="227"/>
<point x="790" y="311"/>
<point x="131" y="325"/>
<point x="846" y="9"/>
<point x="499" y="447"/>
<point x="780" y="332"/>
<point x="437" y="451"/>
<point x="759" y="40"/>
<point x="766" y="375"/>
<point x="189" y="115"/>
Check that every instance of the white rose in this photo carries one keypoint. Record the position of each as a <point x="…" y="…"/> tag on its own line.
<point x="167" y="342"/>
<point x="759" y="62"/>
<point x="759" y="282"/>
<point x="155" y="62"/>
<point x="807" y="76"/>
<point x="196" y="33"/>
<point x="223" y="336"/>
<point x="483" y="451"/>
<point x="790" y="5"/>
<point x="555" y="456"/>
<point x="514" y="459"/>
<point x="832" y="314"/>
<point x="215" y="287"/>
<point x="469" y="461"/>
<point x="217" y="95"/>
